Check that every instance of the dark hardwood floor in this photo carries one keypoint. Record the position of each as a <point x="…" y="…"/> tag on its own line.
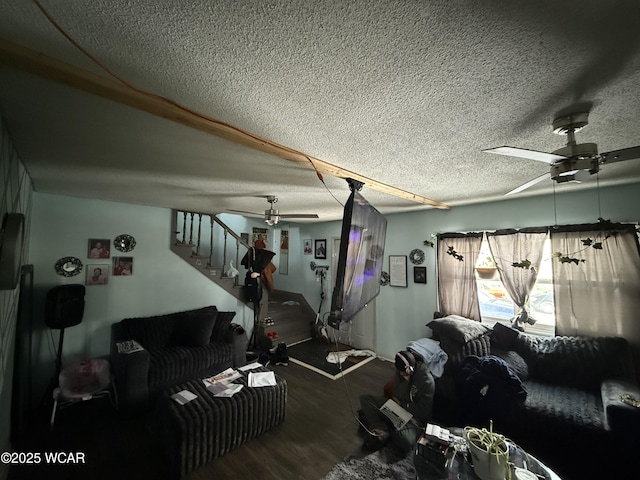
<point x="318" y="432"/>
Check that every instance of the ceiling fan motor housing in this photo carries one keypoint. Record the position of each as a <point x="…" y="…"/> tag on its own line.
<point x="580" y="156"/>
<point x="570" y="123"/>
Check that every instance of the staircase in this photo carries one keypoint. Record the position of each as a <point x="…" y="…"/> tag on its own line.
<point x="207" y="244"/>
<point x="194" y="242"/>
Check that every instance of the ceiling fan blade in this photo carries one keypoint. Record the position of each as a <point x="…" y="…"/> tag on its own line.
<point x="620" y="155"/>
<point x="243" y="212"/>
<point x="298" y="215"/>
<point x="530" y="183"/>
<point x="524" y="153"/>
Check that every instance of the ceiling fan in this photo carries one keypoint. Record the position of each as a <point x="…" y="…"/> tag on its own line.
<point x="567" y="162"/>
<point x="273" y="216"/>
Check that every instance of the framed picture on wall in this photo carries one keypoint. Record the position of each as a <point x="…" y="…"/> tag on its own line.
<point x="98" y="248"/>
<point x="398" y="270"/>
<point x="419" y="274"/>
<point x="260" y="238"/>
<point x="284" y="241"/>
<point x="98" y="274"/>
<point x="306" y="246"/>
<point x="122" y="266"/>
<point x="320" y="249"/>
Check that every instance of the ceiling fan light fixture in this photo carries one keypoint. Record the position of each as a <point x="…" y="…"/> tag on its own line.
<point x="567" y="179"/>
<point x="272" y="220"/>
<point x="271" y="215"/>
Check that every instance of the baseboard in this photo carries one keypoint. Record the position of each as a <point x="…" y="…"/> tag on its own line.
<point x="328" y="375"/>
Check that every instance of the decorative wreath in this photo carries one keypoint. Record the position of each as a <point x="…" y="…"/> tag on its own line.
<point x="416" y="256"/>
<point x="124" y="243"/>
<point x="68" y="266"/>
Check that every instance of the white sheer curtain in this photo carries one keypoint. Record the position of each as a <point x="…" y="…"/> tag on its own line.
<point x="457" y="289"/>
<point x="600" y="296"/>
<point x="515" y="246"/>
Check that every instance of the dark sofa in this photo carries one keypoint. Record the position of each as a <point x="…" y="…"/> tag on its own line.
<point x="573" y="388"/>
<point x="178" y="347"/>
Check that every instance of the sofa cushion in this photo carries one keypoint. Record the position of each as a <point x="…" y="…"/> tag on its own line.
<point x="580" y="362"/>
<point x="193" y="330"/>
<point x="172" y="365"/>
<point x="167" y="330"/>
<point x="560" y="406"/>
<point x="458" y="329"/>
<point x="150" y="332"/>
<point x="515" y="362"/>
<point x="503" y="337"/>
<point x="456" y="352"/>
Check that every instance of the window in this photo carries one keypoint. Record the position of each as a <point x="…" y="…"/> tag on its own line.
<point x="497" y="306"/>
<point x="587" y="281"/>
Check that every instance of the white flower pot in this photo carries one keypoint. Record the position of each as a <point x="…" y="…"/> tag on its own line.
<point x="489" y="466"/>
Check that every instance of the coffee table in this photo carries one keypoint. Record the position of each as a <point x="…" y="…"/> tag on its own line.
<point x="461" y="467"/>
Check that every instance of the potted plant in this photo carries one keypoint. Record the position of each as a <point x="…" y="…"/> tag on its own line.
<point x="487" y="267"/>
<point x="489" y="451"/>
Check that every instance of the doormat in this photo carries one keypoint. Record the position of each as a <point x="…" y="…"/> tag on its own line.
<point x="312" y="354"/>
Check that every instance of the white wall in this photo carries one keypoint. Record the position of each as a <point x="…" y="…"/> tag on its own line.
<point x="401" y="313"/>
<point x="161" y="281"/>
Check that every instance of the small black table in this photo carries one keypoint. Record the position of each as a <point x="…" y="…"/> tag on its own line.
<point x="462" y="469"/>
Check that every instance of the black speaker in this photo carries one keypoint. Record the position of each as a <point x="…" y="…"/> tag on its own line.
<point x="64" y="306"/>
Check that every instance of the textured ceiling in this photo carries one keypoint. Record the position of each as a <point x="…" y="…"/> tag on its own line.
<point x="406" y="93"/>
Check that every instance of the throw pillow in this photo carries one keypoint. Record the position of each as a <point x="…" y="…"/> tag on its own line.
<point x="458" y="329"/>
<point x="194" y="330"/>
<point x="502" y="336"/>
<point x="222" y="330"/>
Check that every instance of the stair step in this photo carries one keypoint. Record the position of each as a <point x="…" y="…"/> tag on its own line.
<point x="292" y="322"/>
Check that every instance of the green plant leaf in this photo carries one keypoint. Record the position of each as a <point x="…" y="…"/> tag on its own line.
<point x="522" y="264"/>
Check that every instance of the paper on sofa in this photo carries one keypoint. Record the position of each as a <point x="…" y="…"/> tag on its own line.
<point x="262" y="379"/>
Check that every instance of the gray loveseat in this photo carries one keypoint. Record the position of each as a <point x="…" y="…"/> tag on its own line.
<point x="574" y="387"/>
<point x="178" y="347"/>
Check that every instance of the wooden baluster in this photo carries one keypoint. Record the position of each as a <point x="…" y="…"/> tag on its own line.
<point x="199" y="233"/>
<point x="224" y="255"/>
<point x="191" y="231"/>
<point x="237" y="261"/>
<point x="210" y="265"/>
<point x="184" y="227"/>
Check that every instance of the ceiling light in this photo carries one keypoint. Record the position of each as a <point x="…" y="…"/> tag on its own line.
<point x="272" y="220"/>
